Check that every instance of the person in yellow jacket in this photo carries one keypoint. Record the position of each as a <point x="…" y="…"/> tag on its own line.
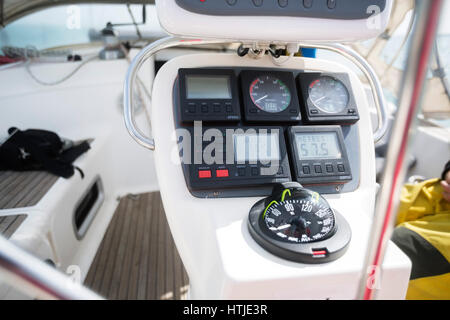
<point x="423" y="233"/>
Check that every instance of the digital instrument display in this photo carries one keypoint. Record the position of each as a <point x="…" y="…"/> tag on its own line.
<point x="208" y="87"/>
<point x="256" y="147"/>
<point x="319" y="154"/>
<point x="323" y="145"/>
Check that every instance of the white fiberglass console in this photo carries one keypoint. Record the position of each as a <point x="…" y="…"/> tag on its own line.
<point x="207" y="206"/>
<point x="275" y="20"/>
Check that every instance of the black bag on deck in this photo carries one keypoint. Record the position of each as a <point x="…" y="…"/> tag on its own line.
<point x="40" y="150"/>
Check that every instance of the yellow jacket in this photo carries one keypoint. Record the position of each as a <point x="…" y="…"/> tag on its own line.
<point x="423" y="233"/>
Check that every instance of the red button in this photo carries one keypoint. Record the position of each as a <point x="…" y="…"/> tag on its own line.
<point x="204" y="174"/>
<point x="319" y="252"/>
<point x="222" y="173"/>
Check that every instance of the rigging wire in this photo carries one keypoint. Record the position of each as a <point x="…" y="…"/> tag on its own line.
<point x="138" y="32"/>
<point x="59" y="81"/>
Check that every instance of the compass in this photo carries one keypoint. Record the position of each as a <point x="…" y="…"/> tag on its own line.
<point x="298" y="224"/>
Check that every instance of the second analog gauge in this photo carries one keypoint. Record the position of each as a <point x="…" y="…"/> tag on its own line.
<point x="270" y="94"/>
<point x="328" y="94"/>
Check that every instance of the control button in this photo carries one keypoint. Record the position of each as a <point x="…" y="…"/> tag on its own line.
<point x="192" y="107"/>
<point x="282" y="3"/>
<point x="231" y="2"/>
<point x="329" y="168"/>
<point x="202" y="174"/>
<point x="293" y="111"/>
<point x="222" y="173"/>
<point x="341" y="168"/>
<point x="241" y="172"/>
<point x="253" y="110"/>
<point x="318" y="169"/>
<point x="331" y="4"/>
<point x="216" y="107"/>
<point x="351" y="111"/>
<point x="205" y="108"/>
<point x="258" y="3"/>
<point x="255" y="171"/>
<point x="314" y="111"/>
<point x="307" y="3"/>
<point x="306" y="170"/>
<point x="228" y="107"/>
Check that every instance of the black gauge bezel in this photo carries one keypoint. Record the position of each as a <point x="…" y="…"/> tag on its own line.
<point x="313" y="114"/>
<point x="253" y="113"/>
<point x="334" y="246"/>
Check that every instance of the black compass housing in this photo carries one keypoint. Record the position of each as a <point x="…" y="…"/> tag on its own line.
<point x="321" y="251"/>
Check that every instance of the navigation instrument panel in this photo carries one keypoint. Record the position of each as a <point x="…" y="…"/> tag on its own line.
<point x="262" y="139"/>
<point x="208" y="95"/>
<point x="235" y="157"/>
<point x="269" y="96"/>
<point x="319" y="154"/>
<point x="328" y="98"/>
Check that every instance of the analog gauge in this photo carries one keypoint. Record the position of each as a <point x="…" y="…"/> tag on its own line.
<point x="302" y="219"/>
<point x="328" y="94"/>
<point x="270" y="94"/>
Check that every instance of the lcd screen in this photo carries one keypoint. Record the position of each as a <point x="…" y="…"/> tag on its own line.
<point x="256" y="147"/>
<point x="322" y="145"/>
<point x="208" y="87"/>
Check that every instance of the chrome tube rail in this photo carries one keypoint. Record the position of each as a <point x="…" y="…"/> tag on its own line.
<point x="370" y="74"/>
<point x="169" y="42"/>
<point x="427" y="15"/>
<point x="37" y="279"/>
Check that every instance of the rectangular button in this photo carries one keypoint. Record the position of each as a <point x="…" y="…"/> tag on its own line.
<point x="341" y="168"/>
<point x="241" y="172"/>
<point x="202" y="174"/>
<point x="255" y="171"/>
<point x="329" y="168"/>
<point x="192" y="107"/>
<point x="222" y="173"/>
<point x="318" y="169"/>
<point x="306" y="170"/>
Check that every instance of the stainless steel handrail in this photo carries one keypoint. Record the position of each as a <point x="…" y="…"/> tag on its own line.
<point x="37" y="279"/>
<point x="427" y="15"/>
<point x="169" y="42"/>
<point x="131" y="75"/>
<point x="370" y="74"/>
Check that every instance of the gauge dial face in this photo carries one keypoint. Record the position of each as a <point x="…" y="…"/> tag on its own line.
<point x="328" y="94"/>
<point x="270" y="94"/>
<point x="300" y="220"/>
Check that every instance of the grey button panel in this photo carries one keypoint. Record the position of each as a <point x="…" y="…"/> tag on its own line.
<point x="325" y="9"/>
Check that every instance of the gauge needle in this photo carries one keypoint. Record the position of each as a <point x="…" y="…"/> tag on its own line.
<point x="283" y="227"/>
<point x="261" y="98"/>
<point x="320" y="98"/>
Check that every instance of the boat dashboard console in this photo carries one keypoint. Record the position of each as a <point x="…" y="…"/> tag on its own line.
<point x="243" y="130"/>
<point x="346" y="20"/>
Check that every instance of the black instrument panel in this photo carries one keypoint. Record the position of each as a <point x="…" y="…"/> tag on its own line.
<point x="235" y="157"/>
<point x="319" y="154"/>
<point x="269" y="96"/>
<point x="208" y="95"/>
<point x="277" y="97"/>
<point x="328" y="98"/>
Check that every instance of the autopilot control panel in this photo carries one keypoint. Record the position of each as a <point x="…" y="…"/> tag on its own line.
<point x="241" y="130"/>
